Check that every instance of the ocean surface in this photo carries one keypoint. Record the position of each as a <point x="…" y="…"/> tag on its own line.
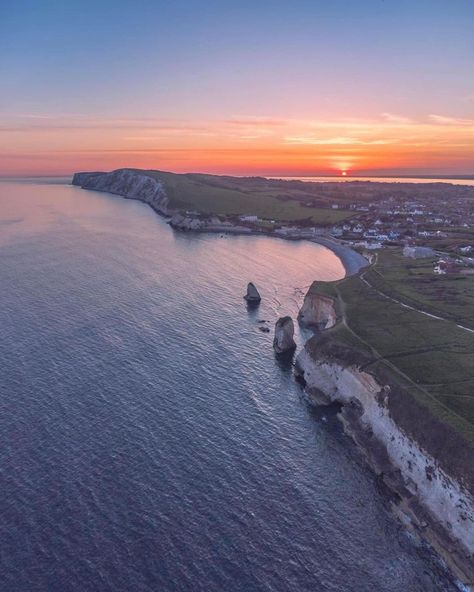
<point x="150" y="441"/>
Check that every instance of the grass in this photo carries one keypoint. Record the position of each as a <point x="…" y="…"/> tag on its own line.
<point x="413" y="282"/>
<point x="203" y="193"/>
<point x="436" y="356"/>
<point x="433" y="359"/>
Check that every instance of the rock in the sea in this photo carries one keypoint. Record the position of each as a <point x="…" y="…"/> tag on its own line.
<point x="284" y="331"/>
<point x="252" y="293"/>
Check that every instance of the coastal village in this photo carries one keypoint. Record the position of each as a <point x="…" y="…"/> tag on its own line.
<point x="432" y="220"/>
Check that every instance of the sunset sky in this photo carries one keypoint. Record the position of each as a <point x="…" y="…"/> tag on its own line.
<point x="276" y="88"/>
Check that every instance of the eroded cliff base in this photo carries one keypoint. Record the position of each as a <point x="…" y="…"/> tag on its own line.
<point x="426" y="468"/>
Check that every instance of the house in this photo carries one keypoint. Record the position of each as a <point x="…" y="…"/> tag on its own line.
<point x="466" y="249"/>
<point x="372" y="246"/>
<point x="249" y="218"/>
<point x="358" y="229"/>
<point x="418" y="252"/>
<point x="370" y="233"/>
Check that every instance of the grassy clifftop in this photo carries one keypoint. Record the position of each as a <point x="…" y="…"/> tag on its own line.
<point x="266" y="198"/>
<point x="431" y="359"/>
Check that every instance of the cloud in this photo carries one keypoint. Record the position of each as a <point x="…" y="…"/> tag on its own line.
<point x="336" y="141"/>
<point x="394" y="118"/>
<point x="444" y="120"/>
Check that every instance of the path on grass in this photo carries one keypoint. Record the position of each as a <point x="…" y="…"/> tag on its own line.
<point x="428" y="314"/>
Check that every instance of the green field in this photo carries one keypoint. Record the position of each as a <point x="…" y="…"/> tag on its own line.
<point x="413" y="282"/>
<point x="210" y="195"/>
<point x="433" y="359"/>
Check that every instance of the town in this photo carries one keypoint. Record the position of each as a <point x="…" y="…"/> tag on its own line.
<point x="433" y="220"/>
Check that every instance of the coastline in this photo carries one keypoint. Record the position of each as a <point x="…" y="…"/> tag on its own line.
<point x="129" y="184"/>
<point x="409" y="509"/>
<point x="352" y="261"/>
<point x="424" y="463"/>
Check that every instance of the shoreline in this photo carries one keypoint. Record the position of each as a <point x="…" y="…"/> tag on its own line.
<point x="130" y="185"/>
<point x="401" y="439"/>
<point x="352" y="261"/>
<point x="424" y="525"/>
<point x="365" y="420"/>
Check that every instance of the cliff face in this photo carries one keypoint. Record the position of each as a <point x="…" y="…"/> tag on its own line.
<point x="409" y="439"/>
<point x="427" y="462"/>
<point x="127" y="183"/>
<point x="318" y="310"/>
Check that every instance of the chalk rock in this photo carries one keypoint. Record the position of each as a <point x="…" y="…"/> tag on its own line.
<point x="318" y="310"/>
<point x="252" y="293"/>
<point x="284" y="331"/>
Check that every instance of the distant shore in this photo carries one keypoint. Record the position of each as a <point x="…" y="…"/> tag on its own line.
<point x="137" y="185"/>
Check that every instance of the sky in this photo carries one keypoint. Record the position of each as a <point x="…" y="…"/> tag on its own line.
<point x="264" y="87"/>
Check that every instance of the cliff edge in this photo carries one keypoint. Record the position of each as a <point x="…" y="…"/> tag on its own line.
<point x="319" y="311"/>
<point x="420" y="457"/>
<point x="127" y="183"/>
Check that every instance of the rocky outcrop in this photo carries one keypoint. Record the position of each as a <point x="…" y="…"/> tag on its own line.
<point x="127" y="183"/>
<point x="182" y="222"/>
<point x="425" y="461"/>
<point x="284" y="332"/>
<point x="318" y="310"/>
<point x="252" y="294"/>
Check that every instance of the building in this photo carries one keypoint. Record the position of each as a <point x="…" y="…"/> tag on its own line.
<point x="418" y="252"/>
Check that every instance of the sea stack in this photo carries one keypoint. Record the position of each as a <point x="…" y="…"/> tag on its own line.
<point x="284" y="331"/>
<point x="252" y="294"/>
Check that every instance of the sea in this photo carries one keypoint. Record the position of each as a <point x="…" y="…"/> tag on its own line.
<point x="150" y="440"/>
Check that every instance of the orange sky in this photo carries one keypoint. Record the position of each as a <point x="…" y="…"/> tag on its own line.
<point x="241" y="144"/>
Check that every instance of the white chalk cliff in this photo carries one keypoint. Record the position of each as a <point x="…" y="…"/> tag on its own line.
<point x="427" y="462"/>
<point x="127" y="183"/>
<point x="318" y="310"/>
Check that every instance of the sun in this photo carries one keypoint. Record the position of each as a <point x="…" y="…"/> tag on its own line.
<point x="344" y="173"/>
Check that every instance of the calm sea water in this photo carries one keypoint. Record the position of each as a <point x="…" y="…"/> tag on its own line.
<point x="149" y="439"/>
